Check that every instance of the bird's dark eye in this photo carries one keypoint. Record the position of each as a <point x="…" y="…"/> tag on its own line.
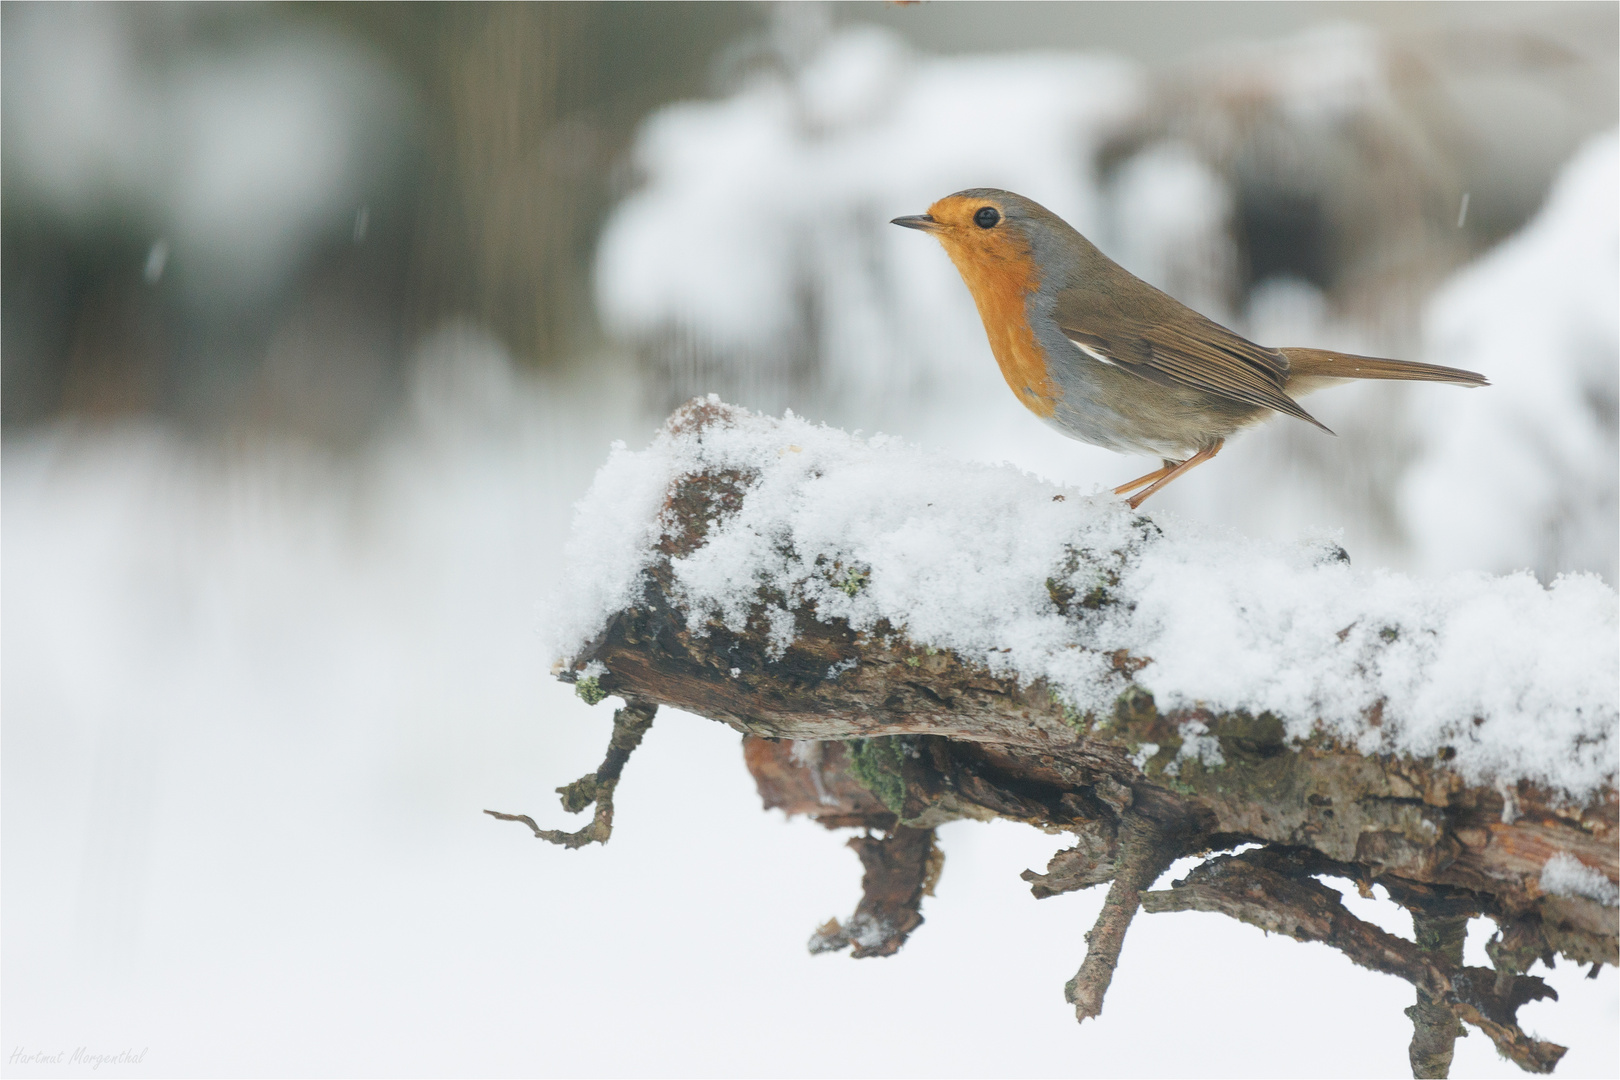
<point x="987" y="217"/>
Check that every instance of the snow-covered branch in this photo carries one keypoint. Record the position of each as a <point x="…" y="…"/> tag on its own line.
<point x="907" y="639"/>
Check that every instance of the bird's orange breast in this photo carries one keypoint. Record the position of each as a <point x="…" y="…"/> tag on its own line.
<point x="1001" y="277"/>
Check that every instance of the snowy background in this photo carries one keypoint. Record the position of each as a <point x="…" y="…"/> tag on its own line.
<point x="272" y="618"/>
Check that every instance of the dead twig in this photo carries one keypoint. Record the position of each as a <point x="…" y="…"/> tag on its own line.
<point x="629" y="725"/>
<point x="1257" y="888"/>
<point x="1435" y="1027"/>
<point x="1144" y="854"/>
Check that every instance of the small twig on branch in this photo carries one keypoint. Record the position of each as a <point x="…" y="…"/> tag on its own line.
<point x="629" y="725"/>
<point x="1144" y="854"/>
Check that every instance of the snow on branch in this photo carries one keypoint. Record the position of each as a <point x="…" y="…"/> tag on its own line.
<point x="907" y="639"/>
<point x="1502" y="678"/>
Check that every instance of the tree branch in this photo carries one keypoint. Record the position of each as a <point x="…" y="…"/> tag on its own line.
<point x="1144" y="854"/>
<point x="1272" y="890"/>
<point x="629" y="725"/>
<point x="869" y="728"/>
<point x="1435" y="1028"/>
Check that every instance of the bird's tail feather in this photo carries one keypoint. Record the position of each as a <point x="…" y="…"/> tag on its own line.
<point x="1311" y="368"/>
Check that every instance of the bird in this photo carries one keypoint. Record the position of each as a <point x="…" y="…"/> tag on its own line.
<point x="1108" y="359"/>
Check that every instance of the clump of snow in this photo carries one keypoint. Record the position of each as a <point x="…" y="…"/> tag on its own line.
<point x="869" y="931"/>
<point x="1523" y="474"/>
<point x="864" y="931"/>
<point x="1144" y="753"/>
<point x="1565" y="875"/>
<point x="1509" y="679"/>
<point x="835" y="670"/>
<point x="611" y="543"/>
<point x="1199" y="745"/>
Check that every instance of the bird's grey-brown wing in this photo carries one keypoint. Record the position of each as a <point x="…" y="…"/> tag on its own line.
<point x="1190" y="351"/>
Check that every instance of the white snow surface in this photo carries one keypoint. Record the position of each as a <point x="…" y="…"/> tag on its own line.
<point x="1565" y="875"/>
<point x="1520" y="680"/>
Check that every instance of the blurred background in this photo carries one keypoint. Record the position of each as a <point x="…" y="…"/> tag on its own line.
<point x="318" y="318"/>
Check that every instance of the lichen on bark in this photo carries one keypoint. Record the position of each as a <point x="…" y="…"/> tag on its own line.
<point x="876" y="763"/>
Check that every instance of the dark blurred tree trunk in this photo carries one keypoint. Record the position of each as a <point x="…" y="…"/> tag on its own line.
<point x="530" y="108"/>
<point x="506" y="207"/>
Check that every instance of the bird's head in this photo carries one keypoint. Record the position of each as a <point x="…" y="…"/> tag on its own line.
<point x="987" y="231"/>
<point x="992" y="236"/>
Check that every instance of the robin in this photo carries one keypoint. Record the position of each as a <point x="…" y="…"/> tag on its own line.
<point x="1106" y="358"/>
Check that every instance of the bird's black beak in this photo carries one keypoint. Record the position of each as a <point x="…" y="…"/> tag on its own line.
<point x="917" y="221"/>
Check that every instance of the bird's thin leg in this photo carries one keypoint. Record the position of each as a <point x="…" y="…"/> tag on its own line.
<point x="1197" y="459"/>
<point x="1148" y="479"/>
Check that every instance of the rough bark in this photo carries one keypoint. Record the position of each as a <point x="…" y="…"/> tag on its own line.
<point x="1144" y="852"/>
<point x="1435" y="1028"/>
<point x="870" y="730"/>
<point x="901" y="869"/>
